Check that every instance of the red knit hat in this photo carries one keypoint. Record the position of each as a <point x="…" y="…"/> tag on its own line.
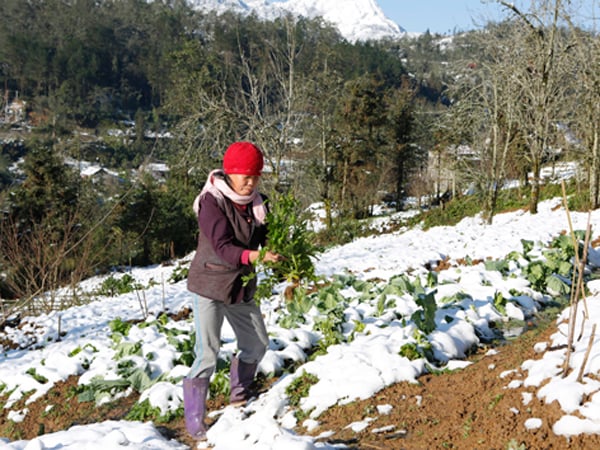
<point x="243" y="158"/>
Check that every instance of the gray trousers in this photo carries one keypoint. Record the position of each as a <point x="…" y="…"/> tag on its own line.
<point x="247" y="323"/>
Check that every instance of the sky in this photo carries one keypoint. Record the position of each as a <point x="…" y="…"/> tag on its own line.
<point x="437" y="16"/>
<point x="354" y="369"/>
<point x="444" y="16"/>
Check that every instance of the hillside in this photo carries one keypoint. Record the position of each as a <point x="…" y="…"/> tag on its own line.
<point x="466" y="382"/>
<point x="467" y="408"/>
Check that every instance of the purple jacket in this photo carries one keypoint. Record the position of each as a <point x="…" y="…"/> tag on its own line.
<point x="226" y="230"/>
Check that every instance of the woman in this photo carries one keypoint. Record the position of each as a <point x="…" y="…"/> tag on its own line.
<point x="231" y="217"/>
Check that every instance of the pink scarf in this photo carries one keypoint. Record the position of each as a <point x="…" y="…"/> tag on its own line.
<point x="219" y="188"/>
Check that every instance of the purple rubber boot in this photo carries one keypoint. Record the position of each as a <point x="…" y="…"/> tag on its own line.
<point x="241" y="377"/>
<point x="195" y="391"/>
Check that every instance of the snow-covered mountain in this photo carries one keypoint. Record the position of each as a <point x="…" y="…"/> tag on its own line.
<point x="356" y="20"/>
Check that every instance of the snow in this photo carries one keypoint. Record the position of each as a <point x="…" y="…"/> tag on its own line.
<point x="533" y="424"/>
<point x="101" y="436"/>
<point x="83" y="342"/>
<point x="358" y="20"/>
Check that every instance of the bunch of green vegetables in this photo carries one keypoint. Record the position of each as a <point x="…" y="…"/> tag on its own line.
<point x="290" y="237"/>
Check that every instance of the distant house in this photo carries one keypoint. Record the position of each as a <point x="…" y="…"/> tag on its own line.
<point x="100" y="176"/>
<point x="160" y="171"/>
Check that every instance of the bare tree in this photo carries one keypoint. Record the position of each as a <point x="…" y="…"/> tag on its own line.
<point x="585" y="125"/>
<point x="253" y="92"/>
<point x="272" y="96"/>
<point x="42" y="259"/>
<point x="540" y="55"/>
<point x="485" y="115"/>
<point x="319" y="137"/>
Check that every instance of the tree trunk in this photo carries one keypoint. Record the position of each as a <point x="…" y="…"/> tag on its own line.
<point x="534" y="197"/>
<point x="595" y="174"/>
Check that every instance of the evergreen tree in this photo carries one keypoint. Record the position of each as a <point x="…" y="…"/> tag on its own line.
<point x="49" y="186"/>
<point x="51" y="233"/>
<point x="362" y="114"/>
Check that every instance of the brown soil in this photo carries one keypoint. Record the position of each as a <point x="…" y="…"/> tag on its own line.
<point x="467" y="409"/>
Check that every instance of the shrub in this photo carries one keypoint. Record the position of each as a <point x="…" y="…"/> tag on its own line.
<point x="112" y="286"/>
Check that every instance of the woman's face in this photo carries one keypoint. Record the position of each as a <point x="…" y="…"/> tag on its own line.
<point x="243" y="184"/>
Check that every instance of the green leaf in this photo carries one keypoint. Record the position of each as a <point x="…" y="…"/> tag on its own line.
<point x="75" y="351"/>
<point x="500" y="302"/>
<point x="432" y="279"/>
<point x="500" y="265"/>
<point x="527" y="247"/>
<point x="362" y="286"/>
<point x="127" y="349"/>
<point x="564" y="268"/>
<point x="403" y="283"/>
<point x="557" y="286"/>
<point x="140" y="379"/>
<point x="119" y="326"/>
<point x="455" y="298"/>
<point x="425" y="317"/>
<point x="513" y="256"/>
<point x="536" y="274"/>
<point x="99" y="388"/>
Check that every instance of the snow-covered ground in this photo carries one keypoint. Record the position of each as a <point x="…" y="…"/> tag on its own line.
<point x="379" y="304"/>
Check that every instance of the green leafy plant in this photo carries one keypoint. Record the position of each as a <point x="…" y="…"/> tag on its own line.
<point x="124" y="349"/>
<point x="432" y="279"/>
<point x="185" y="348"/>
<point x="457" y="297"/>
<point x="297" y="308"/>
<point x="500" y="265"/>
<point x="113" y="286"/>
<point x="421" y="348"/>
<point x="120" y="327"/>
<point x="500" y="302"/>
<point x="37" y="377"/>
<point x="527" y="247"/>
<point x="424" y="318"/>
<point x="552" y="272"/>
<point x="99" y="389"/>
<point x="179" y="273"/>
<point x="359" y="327"/>
<point x="331" y="305"/>
<point x="331" y="333"/>
<point x="144" y="411"/>
<point x="383" y="304"/>
<point x="290" y="237"/>
<point x="411" y="351"/>
<point x="219" y="384"/>
<point x="536" y="273"/>
<point x="79" y="349"/>
<point x="557" y="285"/>
<point x="137" y="377"/>
<point x="132" y="365"/>
<point x="299" y="388"/>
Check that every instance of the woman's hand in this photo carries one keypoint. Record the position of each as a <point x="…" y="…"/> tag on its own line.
<point x="272" y="257"/>
<point x="269" y="256"/>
